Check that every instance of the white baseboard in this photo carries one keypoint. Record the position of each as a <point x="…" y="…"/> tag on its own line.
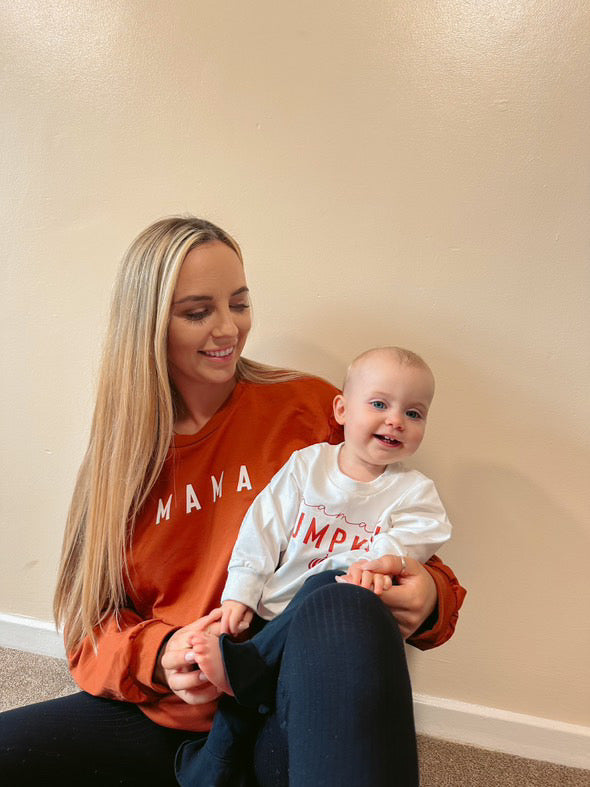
<point x="501" y="730"/>
<point x="461" y="722"/>
<point x="31" y="635"/>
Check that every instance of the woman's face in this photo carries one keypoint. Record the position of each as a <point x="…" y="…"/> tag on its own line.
<point x="209" y="318"/>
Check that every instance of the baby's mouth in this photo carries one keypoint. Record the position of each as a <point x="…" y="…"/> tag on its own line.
<point x="388" y="440"/>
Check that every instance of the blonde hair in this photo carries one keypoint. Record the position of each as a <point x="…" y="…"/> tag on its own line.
<point x="403" y="356"/>
<point x="132" y="427"/>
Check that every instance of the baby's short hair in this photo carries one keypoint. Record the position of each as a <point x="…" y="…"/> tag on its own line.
<point x="401" y="354"/>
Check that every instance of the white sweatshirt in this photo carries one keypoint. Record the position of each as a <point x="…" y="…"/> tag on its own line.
<point x="311" y="518"/>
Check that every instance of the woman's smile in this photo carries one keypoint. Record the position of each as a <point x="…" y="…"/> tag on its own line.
<point x="221" y="355"/>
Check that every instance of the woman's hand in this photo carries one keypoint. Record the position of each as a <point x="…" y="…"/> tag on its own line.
<point x="414" y="598"/>
<point x="176" y="668"/>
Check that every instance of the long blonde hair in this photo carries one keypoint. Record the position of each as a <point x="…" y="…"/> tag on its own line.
<point x="132" y="426"/>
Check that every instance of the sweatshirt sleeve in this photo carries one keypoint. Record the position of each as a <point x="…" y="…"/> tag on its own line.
<point x="263" y="536"/>
<point x="440" y="626"/>
<point x="121" y="665"/>
<point x="418" y="525"/>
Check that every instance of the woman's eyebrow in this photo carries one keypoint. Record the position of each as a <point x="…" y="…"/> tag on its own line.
<point x="197" y="298"/>
<point x="193" y="298"/>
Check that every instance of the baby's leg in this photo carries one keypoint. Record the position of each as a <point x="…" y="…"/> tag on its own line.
<point x="252" y="668"/>
<point x="224" y="757"/>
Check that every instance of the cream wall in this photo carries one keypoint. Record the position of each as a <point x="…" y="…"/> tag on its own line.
<point x="408" y="172"/>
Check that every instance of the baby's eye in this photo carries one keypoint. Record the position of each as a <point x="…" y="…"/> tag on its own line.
<point x="379" y="405"/>
<point x="414" y="414"/>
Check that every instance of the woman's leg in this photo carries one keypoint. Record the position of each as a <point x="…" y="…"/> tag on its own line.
<point x="344" y="710"/>
<point x="82" y="739"/>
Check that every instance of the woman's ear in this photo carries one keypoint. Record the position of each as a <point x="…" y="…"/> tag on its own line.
<point x="339" y="409"/>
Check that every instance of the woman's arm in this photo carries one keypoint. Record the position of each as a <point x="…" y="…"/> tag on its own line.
<point x="121" y="665"/>
<point x="139" y="661"/>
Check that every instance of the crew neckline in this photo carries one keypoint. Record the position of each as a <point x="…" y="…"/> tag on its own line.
<point x="349" y="484"/>
<point x="216" y="419"/>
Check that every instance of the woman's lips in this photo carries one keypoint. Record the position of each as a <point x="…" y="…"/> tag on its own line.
<point x="219" y="354"/>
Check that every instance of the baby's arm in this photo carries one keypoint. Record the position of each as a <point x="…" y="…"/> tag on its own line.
<point x="416" y="525"/>
<point x="263" y="537"/>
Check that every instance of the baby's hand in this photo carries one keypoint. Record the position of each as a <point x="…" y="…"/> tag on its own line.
<point x="235" y="617"/>
<point x="371" y="580"/>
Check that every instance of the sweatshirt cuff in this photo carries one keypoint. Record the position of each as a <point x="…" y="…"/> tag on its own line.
<point x="146" y="643"/>
<point x="431" y="632"/>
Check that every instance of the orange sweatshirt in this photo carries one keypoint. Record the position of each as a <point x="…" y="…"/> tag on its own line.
<point x="186" y="531"/>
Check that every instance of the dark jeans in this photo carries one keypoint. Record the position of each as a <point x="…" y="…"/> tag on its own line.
<point x="343" y="714"/>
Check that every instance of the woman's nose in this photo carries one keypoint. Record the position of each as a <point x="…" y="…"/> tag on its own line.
<point x="225" y="325"/>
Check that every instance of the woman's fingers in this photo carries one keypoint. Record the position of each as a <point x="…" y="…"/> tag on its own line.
<point x="174" y="659"/>
<point x="195" y="691"/>
<point x="206" y="621"/>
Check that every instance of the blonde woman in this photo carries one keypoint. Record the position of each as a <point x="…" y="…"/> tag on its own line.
<point x="186" y="432"/>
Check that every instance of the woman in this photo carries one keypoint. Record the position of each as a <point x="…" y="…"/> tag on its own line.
<point x="185" y="433"/>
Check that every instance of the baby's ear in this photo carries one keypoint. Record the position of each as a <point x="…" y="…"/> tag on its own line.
<point x="339" y="409"/>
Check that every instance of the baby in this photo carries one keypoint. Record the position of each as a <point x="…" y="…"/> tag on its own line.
<point x="328" y="506"/>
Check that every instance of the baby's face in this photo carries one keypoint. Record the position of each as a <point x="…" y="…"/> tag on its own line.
<point x="383" y="410"/>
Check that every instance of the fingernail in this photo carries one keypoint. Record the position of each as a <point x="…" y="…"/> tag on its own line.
<point x="243" y="626"/>
<point x="189" y="656"/>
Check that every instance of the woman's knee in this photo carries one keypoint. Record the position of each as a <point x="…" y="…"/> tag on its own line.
<point x="341" y="616"/>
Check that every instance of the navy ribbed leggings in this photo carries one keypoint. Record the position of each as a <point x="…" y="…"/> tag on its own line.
<point x="343" y="714"/>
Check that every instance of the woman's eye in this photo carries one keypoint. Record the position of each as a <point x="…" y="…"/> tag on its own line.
<point x="414" y="414"/>
<point x="240" y="307"/>
<point x="378" y="405"/>
<point x="197" y="316"/>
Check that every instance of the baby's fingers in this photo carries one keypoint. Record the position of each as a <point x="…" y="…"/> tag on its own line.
<point x="225" y="623"/>
<point x="381" y="583"/>
<point x="355" y="573"/>
<point x="368" y="580"/>
<point x="236" y="621"/>
<point x="244" y="622"/>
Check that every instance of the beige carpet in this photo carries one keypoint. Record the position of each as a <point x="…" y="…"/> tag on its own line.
<point x="28" y="678"/>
